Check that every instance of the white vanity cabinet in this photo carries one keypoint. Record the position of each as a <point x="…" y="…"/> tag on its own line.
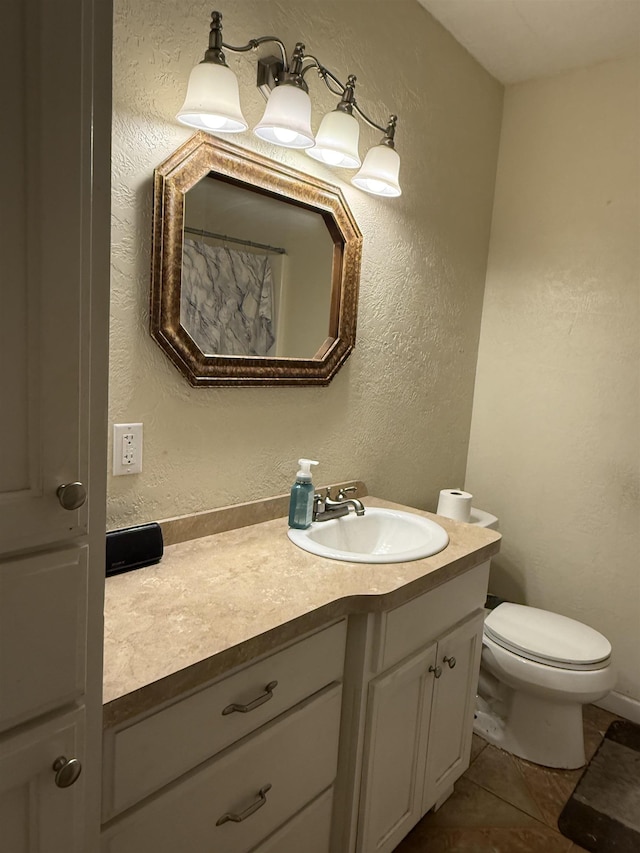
<point x="417" y="708"/>
<point x="244" y="763"/>
<point x="337" y="742"/>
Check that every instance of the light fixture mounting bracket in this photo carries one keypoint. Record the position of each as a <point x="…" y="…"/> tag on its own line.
<point x="270" y="68"/>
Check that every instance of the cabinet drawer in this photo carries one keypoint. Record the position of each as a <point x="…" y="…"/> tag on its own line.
<point x="43" y="615"/>
<point x="156" y="750"/>
<point x="417" y="622"/>
<point x="296" y="755"/>
<point x="309" y="831"/>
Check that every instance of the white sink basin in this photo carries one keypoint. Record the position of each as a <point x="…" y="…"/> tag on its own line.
<point x="379" y="536"/>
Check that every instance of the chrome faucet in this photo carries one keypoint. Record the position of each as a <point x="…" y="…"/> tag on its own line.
<point x="325" y="507"/>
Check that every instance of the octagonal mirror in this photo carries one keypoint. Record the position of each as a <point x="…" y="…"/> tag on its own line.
<point x="255" y="269"/>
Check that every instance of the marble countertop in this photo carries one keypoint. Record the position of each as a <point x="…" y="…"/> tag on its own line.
<point x="218" y="601"/>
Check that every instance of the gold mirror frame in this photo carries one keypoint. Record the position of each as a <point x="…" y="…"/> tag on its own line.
<point x="203" y="155"/>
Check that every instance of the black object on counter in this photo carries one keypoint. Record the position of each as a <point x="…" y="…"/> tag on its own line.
<point x="133" y="548"/>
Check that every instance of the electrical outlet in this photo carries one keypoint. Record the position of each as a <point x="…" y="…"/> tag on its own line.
<point x="127" y="449"/>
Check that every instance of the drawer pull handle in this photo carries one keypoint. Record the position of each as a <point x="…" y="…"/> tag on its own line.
<point x="451" y="661"/>
<point x="436" y="670"/>
<point x="243" y="709"/>
<point x="252" y="809"/>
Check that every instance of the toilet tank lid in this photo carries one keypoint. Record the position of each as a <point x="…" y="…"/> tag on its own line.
<point x="549" y="636"/>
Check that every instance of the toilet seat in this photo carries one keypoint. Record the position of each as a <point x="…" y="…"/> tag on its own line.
<point x="547" y="638"/>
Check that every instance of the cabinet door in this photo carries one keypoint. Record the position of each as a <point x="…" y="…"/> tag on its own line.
<point x="36" y="815"/>
<point x="449" y="747"/>
<point x="45" y="245"/>
<point x="54" y="283"/>
<point x="43" y="615"/>
<point x="394" y="753"/>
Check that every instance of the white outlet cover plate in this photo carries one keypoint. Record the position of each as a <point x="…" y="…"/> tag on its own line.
<point x="127" y="449"/>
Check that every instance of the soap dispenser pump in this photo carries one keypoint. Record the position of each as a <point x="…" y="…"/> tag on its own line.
<point x="301" y="502"/>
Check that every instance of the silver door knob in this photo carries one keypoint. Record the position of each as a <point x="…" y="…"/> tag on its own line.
<point x="436" y="670"/>
<point x="67" y="771"/>
<point x="71" y="495"/>
<point x="451" y="661"/>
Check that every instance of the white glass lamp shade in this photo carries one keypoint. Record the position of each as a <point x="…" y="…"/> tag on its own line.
<point x="287" y="118"/>
<point x="213" y="101"/>
<point x="379" y="172"/>
<point x="337" y="141"/>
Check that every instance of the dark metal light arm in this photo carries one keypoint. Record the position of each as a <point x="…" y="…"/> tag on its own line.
<point x="253" y="44"/>
<point x="294" y="73"/>
<point x="326" y="75"/>
<point x="368" y="120"/>
<point x="215" y="54"/>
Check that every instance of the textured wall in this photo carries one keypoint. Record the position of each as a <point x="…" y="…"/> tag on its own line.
<point x="554" y="444"/>
<point x="398" y="414"/>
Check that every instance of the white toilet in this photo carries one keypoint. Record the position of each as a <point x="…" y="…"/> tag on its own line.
<point x="538" y="669"/>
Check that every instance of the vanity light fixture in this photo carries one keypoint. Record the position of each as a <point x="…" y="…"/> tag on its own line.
<point x="212" y="104"/>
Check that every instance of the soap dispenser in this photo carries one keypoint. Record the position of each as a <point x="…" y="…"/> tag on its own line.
<point x="301" y="502"/>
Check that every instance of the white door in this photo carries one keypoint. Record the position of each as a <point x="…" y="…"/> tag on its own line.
<point x="394" y="752"/>
<point x="46" y="163"/>
<point x="449" y="747"/>
<point x="54" y="286"/>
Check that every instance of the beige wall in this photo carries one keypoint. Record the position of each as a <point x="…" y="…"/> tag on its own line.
<point x="398" y="414"/>
<point x="554" y="445"/>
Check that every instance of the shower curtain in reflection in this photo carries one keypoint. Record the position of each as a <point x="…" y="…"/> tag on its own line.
<point x="226" y="299"/>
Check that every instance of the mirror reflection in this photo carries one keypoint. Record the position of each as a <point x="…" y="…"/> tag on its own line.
<point x="255" y="269"/>
<point x="256" y="273"/>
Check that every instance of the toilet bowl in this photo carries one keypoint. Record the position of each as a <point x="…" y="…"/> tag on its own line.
<point x="537" y="671"/>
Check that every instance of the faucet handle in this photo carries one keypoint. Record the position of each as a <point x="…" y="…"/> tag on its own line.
<point x="319" y="505"/>
<point x="345" y="491"/>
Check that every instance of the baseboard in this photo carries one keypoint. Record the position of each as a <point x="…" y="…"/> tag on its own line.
<point x="623" y="706"/>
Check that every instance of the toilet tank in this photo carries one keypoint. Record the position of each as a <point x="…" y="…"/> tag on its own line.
<point x="483" y="519"/>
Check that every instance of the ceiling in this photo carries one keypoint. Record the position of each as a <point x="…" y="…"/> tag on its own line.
<point x="518" y="40"/>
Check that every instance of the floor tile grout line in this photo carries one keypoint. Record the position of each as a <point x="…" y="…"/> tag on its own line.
<point x="515" y="764"/>
<point x="530" y="790"/>
<point x="520" y="769"/>
<point x="525" y="814"/>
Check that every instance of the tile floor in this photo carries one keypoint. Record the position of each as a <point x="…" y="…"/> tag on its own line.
<point x="503" y="804"/>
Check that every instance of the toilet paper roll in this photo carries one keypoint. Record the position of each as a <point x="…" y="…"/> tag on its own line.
<point x="455" y="504"/>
